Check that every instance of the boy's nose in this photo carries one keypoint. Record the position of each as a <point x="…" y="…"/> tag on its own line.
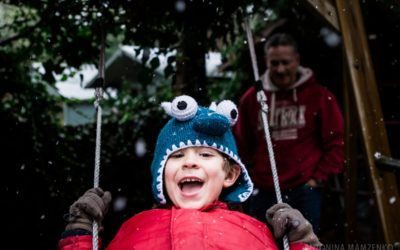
<point x="190" y="161"/>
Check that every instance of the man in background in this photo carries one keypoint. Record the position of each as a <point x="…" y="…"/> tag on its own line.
<point x="307" y="133"/>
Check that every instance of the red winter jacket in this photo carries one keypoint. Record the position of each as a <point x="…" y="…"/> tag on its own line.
<point x="214" y="227"/>
<point x="306" y="128"/>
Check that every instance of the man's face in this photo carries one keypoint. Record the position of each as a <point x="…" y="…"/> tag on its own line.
<point x="194" y="177"/>
<point x="283" y="61"/>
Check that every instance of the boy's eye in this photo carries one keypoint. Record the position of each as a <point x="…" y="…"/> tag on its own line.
<point x="177" y="155"/>
<point x="206" y="154"/>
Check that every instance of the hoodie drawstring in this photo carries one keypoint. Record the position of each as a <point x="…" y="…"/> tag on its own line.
<point x="272" y="110"/>
<point x="295" y="95"/>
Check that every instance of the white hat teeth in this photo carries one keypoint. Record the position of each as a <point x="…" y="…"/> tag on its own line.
<point x="226" y="151"/>
<point x="160" y="194"/>
<point x="174" y="147"/>
<point x="189" y="143"/>
<point x="214" y="145"/>
<point x="182" y="144"/>
<point x="205" y="144"/>
<point x="198" y="143"/>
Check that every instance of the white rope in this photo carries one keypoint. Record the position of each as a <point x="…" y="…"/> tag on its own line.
<point x="262" y="99"/>
<point x="264" y="107"/>
<point x="252" y="50"/>
<point x="96" y="179"/>
<point x="96" y="176"/>
<point x="99" y="96"/>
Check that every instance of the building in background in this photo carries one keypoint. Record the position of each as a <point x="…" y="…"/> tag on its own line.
<point x="124" y="66"/>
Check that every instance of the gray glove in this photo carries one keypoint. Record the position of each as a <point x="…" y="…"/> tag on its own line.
<point x="92" y="205"/>
<point x="286" y="220"/>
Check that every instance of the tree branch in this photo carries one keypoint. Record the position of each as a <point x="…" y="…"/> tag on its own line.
<point x="15" y="37"/>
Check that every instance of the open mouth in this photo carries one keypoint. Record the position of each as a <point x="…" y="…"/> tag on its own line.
<point x="190" y="185"/>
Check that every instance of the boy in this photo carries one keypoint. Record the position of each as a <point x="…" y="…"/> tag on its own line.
<point x="195" y="166"/>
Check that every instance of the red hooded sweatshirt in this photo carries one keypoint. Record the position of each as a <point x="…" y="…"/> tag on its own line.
<point x="307" y="132"/>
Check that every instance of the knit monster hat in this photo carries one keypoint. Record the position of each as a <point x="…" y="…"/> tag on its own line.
<point x="191" y="126"/>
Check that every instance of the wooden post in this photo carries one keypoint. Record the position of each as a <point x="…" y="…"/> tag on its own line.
<point x="351" y="165"/>
<point x="369" y="113"/>
<point x="327" y="10"/>
<point x="364" y="93"/>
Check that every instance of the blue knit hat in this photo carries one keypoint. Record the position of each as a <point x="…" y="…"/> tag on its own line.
<point x="191" y="126"/>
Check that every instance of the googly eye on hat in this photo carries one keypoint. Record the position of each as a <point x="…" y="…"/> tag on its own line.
<point x="228" y="109"/>
<point x="182" y="107"/>
<point x="192" y="125"/>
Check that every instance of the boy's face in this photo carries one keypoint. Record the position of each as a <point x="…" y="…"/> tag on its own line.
<point x="283" y="61"/>
<point x="194" y="177"/>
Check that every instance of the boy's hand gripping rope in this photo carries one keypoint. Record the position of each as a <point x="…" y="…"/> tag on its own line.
<point x="262" y="99"/>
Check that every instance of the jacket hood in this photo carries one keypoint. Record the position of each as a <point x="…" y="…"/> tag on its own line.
<point x="305" y="75"/>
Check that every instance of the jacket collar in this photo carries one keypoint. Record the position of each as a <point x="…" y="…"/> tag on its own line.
<point x="214" y="205"/>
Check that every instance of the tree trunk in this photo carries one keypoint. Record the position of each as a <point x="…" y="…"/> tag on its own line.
<point x="190" y="78"/>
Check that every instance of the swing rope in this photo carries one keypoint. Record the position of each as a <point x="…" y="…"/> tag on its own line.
<point x="99" y="96"/>
<point x="262" y="99"/>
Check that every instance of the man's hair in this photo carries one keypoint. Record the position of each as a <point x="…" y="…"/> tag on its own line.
<point x="280" y="39"/>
